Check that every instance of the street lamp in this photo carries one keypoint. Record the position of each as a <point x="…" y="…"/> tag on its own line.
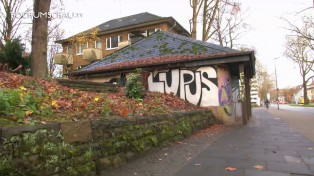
<point x="276" y="83"/>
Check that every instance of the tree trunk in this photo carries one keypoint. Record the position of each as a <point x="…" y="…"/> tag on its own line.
<point x="205" y="17"/>
<point x="194" y="19"/>
<point x="208" y="18"/>
<point x="305" y="92"/>
<point x="39" y="38"/>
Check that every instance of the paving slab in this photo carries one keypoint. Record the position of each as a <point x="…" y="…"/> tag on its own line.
<point x="267" y="142"/>
<point x="264" y="173"/>
<point x="297" y="168"/>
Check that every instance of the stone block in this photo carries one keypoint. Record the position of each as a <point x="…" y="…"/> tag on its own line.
<point x="100" y="124"/>
<point x="118" y="122"/>
<point x="118" y="160"/>
<point x="104" y="163"/>
<point x="141" y="120"/>
<point x="97" y="134"/>
<point x="8" y="132"/>
<point x="76" y="131"/>
<point x="130" y="155"/>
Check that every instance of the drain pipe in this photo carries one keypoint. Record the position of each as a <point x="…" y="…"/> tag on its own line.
<point x="175" y="23"/>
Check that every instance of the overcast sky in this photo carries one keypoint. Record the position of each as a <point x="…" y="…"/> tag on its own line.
<point x="267" y="34"/>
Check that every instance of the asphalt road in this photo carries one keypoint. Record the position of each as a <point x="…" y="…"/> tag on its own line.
<point x="305" y="110"/>
<point x="299" y="118"/>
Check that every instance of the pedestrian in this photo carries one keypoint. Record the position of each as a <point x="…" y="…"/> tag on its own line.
<point x="267" y="103"/>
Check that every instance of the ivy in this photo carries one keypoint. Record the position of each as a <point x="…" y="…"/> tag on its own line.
<point x="51" y="156"/>
<point x="134" y="86"/>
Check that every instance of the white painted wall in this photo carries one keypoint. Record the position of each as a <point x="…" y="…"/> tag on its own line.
<point x="183" y="81"/>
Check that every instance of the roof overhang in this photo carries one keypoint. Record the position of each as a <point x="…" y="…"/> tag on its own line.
<point x="170" y="20"/>
<point x="188" y="61"/>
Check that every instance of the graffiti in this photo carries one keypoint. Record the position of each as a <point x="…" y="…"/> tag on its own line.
<point x="199" y="87"/>
<point x="242" y="87"/>
<point x="225" y="93"/>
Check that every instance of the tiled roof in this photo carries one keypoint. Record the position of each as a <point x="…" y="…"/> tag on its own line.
<point x="128" y="21"/>
<point x="161" y="47"/>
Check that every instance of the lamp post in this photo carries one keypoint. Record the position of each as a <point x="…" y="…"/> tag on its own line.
<point x="276" y="83"/>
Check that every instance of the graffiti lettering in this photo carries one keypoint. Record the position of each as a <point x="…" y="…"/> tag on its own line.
<point x="198" y="87"/>
<point x="242" y="86"/>
<point x="224" y="86"/>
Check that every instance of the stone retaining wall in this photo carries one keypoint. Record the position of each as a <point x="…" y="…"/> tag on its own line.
<point x="82" y="148"/>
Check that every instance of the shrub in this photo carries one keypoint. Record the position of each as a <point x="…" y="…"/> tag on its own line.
<point x="12" y="54"/>
<point x="134" y="86"/>
<point x="20" y="103"/>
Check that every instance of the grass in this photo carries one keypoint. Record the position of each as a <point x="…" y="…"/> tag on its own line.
<point x="302" y="105"/>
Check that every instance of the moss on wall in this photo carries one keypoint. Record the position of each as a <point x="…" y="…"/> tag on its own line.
<point x="49" y="149"/>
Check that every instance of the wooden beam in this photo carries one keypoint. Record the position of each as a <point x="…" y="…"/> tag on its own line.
<point x="243" y="93"/>
<point x="248" y="95"/>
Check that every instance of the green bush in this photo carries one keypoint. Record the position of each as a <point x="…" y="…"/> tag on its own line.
<point x="19" y="103"/>
<point x="134" y="86"/>
<point x="12" y="54"/>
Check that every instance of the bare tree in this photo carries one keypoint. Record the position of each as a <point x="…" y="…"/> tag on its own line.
<point x="306" y="31"/>
<point x="263" y="79"/>
<point x="196" y="6"/>
<point x="210" y="9"/>
<point x="299" y="51"/>
<point x="222" y="20"/>
<point x="11" y="18"/>
<point x="39" y="39"/>
<point x="53" y="48"/>
<point x="229" y="24"/>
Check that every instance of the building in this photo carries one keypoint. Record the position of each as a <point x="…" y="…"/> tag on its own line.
<point x="111" y="36"/>
<point x="310" y="92"/>
<point x="204" y="74"/>
<point x="299" y="96"/>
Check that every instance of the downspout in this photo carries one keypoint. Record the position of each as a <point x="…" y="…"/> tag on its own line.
<point x="175" y="23"/>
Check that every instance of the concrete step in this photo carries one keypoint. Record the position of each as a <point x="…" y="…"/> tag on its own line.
<point x="88" y="86"/>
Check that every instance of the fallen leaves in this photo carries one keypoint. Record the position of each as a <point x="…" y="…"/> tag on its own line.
<point x="179" y="142"/>
<point x="54" y="104"/>
<point x="27" y="113"/>
<point x="259" y="167"/>
<point x="76" y="105"/>
<point x="230" y="169"/>
<point x="208" y="131"/>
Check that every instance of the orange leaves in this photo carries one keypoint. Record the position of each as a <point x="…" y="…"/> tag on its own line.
<point x="67" y="103"/>
<point x="259" y="167"/>
<point x="210" y="130"/>
<point x="27" y="113"/>
<point x="64" y="104"/>
<point x="54" y="104"/>
<point x="10" y="80"/>
<point x="51" y="89"/>
<point x="230" y="169"/>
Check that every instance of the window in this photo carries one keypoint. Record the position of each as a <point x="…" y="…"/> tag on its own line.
<point x="79" y="67"/>
<point x="69" y="49"/>
<point x="152" y="31"/>
<point x="80" y="47"/>
<point x="144" y="33"/>
<point x="129" y="36"/>
<point x="98" y="44"/>
<point x="112" y="42"/>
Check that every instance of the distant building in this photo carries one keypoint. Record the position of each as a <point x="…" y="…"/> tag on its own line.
<point x="299" y="96"/>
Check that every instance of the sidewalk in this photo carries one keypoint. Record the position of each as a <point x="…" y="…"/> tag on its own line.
<point x="266" y="142"/>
